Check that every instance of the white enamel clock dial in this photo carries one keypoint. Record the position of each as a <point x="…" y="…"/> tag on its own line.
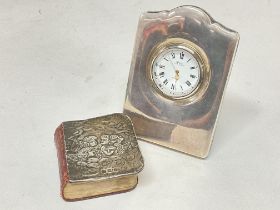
<point x="176" y="72"/>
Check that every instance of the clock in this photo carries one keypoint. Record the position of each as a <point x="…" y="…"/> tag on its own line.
<point x="176" y="72"/>
<point x="179" y="69"/>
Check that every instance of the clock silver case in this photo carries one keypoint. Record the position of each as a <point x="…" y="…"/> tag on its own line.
<point x="184" y="124"/>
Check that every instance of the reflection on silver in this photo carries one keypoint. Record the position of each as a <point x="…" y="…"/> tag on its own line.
<point x="179" y="124"/>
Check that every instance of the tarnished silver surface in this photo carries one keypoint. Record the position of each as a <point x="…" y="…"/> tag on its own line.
<point x="101" y="148"/>
<point x="178" y="124"/>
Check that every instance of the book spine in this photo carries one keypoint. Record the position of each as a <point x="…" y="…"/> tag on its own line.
<point x="59" y="142"/>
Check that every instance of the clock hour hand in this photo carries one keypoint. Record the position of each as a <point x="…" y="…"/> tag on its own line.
<point x="177" y="75"/>
<point x="176" y="70"/>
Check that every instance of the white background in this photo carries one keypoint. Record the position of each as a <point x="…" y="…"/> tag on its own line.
<point x="69" y="60"/>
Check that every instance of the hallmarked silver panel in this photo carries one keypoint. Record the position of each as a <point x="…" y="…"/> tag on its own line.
<point x="184" y="125"/>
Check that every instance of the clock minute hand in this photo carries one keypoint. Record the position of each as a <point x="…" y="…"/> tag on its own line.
<point x="172" y="63"/>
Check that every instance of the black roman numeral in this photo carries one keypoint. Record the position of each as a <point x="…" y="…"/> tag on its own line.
<point x="182" y="55"/>
<point x="172" y="87"/>
<point x="161" y="74"/>
<point x="192" y="76"/>
<point x="165" y="82"/>
<point x="161" y="66"/>
<point x="192" y="67"/>
<point x="188" y="83"/>
<point x="166" y="59"/>
<point x="173" y="54"/>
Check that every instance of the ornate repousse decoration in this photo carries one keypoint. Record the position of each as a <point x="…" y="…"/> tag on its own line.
<point x="104" y="147"/>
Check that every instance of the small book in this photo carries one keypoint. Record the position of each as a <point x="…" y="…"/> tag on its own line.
<point x="97" y="157"/>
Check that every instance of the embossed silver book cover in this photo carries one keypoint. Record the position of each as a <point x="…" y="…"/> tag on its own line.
<point x="102" y="153"/>
<point x="101" y="148"/>
<point x="180" y="65"/>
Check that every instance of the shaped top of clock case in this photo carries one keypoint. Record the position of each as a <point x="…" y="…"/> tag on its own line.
<point x="195" y="25"/>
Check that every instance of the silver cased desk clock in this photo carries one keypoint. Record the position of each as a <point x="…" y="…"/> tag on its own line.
<point x="180" y="66"/>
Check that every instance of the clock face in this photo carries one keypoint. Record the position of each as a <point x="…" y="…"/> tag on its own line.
<point x="176" y="72"/>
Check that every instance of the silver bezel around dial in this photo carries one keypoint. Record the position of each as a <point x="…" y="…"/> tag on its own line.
<point x="197" y="53"/>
